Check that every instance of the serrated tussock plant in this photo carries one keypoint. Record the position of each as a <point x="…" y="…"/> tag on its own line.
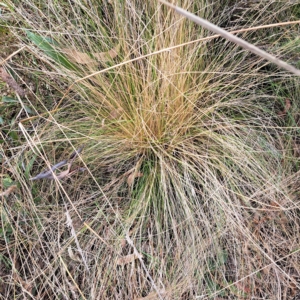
<point x="183" y="152"/>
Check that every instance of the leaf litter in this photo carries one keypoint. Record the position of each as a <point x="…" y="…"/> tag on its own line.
<point x="83" y="58"/>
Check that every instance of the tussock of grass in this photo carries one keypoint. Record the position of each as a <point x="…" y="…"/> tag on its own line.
<point x="189" y="164"/>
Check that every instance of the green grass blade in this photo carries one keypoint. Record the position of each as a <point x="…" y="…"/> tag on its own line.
<point x="44" y="44"/>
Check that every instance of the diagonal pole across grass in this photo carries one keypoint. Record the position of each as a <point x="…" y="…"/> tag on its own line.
<point x="227" y="35"/>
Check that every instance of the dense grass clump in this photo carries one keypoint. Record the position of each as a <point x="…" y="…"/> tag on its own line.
<point x="190" y="187"/>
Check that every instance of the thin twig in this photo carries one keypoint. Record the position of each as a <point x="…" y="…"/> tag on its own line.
<point x="50" y="173"/>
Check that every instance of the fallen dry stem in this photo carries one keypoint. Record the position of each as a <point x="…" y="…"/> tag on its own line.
<point x="229" y="36"/>
<point x="49" y="174"/>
